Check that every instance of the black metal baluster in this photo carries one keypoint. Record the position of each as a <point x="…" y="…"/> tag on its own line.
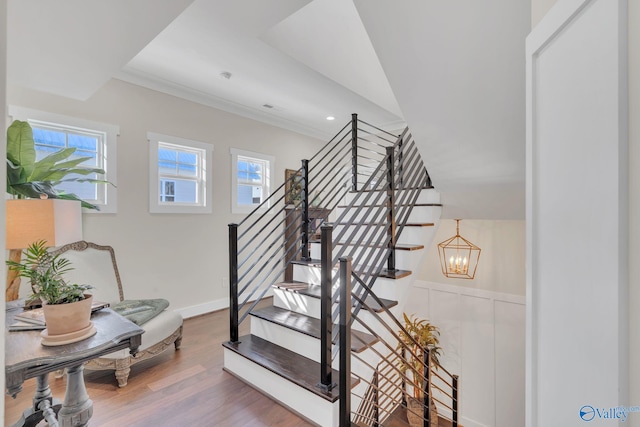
<point x="376" y="400"/>
<point x="400" y="162"/>
<point x="426" y="398"/>
<point x="391" y="210"/>
<point x="345" y="342"/>
<point x="304" y="231"/>
<point x="354" y="152"/>
<point x="233" y="282"/>
<point x="454" y="403"/>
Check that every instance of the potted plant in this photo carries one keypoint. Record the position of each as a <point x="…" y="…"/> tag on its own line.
<point x="66" y="306"/>
<point x="418" y="335"/>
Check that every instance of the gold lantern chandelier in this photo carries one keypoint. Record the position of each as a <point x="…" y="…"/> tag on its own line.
<point x="458" y="256"/>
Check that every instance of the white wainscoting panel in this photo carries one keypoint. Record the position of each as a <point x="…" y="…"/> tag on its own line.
<point x="482" y="336"/>
<point x="477" y="342"/>
<point x="510" y="362"/>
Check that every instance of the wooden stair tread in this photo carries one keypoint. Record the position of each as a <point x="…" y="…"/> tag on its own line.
<point x="310" y="326"/>
<point x="386" y="274"/>
<point x="395" y="274"/>
<point x="382" y="206"/>
<point x="428" y="204"/>
<point x="416" y="187"/>
<point x="382" y="224"/>
<point x="399" y="246"/>
<point x="408" y="247"/>
<point x="315" y="290"/>
<point x="298" y="369"/>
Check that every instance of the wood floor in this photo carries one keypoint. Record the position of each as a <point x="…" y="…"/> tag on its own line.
<point x="177" y="389"/>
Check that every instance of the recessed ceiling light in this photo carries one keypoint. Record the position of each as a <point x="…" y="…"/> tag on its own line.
<point x="330" y="118"/>
<point x="226" y="75"/>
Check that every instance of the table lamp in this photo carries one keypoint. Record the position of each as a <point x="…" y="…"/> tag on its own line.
<point x="56" y="221"/>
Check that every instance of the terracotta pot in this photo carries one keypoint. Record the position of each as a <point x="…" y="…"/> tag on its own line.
<point x="67" y="318"/>
<point x="415" y="411"/>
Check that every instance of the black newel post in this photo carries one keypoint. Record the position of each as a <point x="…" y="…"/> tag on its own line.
<point x="345" y="342"/>
<point x="304" y="232"/>
<point x="376" y="398"/>
<point x="391" y="209"/>
<point x="454" y="403"/>
<point x="426" y="388"/>
<point x="354" y="152"/>
<point x="326" y="382"/>
<point x="233" y="282"/>
<point x="400" y="162"/>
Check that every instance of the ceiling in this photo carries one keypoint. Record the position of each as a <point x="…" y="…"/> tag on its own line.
<point x="452" y="71"/>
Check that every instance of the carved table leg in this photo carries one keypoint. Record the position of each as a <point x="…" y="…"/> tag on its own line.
<point x="44" y="406"/>
<point x="77" y="408"/>
<point x="123" y="368"/>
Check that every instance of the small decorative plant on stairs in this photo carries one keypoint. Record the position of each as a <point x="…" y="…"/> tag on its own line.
<point x="66" y="306"/>
<point x="418" y="335"/>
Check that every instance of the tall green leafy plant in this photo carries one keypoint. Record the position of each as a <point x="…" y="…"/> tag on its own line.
<point x="418" y="335"/>
<point x="28" y="178"/>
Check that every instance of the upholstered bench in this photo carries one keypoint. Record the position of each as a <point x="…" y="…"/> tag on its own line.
<point x="96" y="265"/>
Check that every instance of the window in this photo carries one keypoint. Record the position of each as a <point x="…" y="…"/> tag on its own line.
<point x="97" y="141"/>
<point x="251" y="180"/>
<point x="180" y="175"/>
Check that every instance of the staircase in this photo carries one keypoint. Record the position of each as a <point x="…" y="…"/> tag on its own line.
<point x="382" y="213"/>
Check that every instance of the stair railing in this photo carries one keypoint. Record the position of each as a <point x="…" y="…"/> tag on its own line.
<point x="388" y="175"/>
<point x="259" y="250"/>
<point x="370" y="218"/>
<point x="386" y="396"/>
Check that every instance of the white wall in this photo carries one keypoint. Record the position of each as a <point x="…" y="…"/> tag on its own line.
<point x="481" y="320"/>
<point x="577" y="211"/>
<point x="502" y="260"/>
<point x="634" y="206"/>
<point x="482" y="337"/>
<point x="539" y="8"/>
<point x="176" y="256"/>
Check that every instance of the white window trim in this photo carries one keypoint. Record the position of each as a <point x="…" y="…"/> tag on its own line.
<point x="235" y="208"/>
<point x="154" y="191"/>
<point x="112" y="132"/>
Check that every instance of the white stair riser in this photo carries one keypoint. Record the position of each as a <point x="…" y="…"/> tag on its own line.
<point x="306" y="345"/>
<point x="418" y="213"/>
<point x="305" y="403"/>
<point x="307" y="274"/>
<point x="310" y="306"/>
<point x="426" y="196"/>
<point x="420" y="235"/>
<point x="294" y="341"/>
<point x="303" y="304"/>
<point x="405" y="260"/>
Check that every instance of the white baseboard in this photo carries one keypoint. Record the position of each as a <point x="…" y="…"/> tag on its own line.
<point x="208" y="307"/>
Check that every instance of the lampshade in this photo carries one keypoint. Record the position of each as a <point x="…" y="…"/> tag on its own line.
<point x="30" y="220"/>
<point x="458" y="256"/>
